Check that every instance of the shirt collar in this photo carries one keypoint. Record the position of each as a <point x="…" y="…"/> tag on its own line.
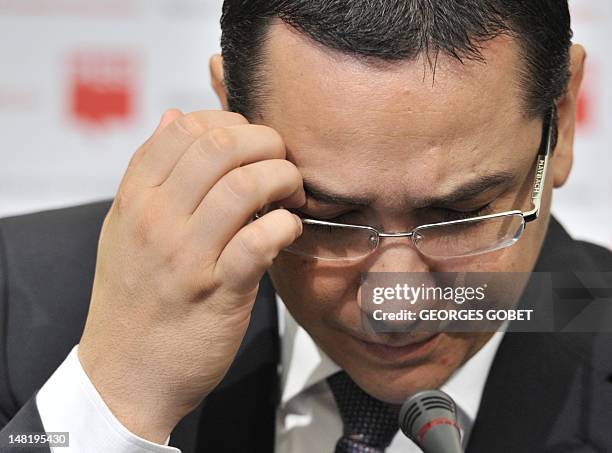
<point x="304" y="365"/>
<point x="466" y="384"/>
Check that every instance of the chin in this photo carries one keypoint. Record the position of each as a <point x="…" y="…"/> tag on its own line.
<point x="395" y="386"/>
<point x="392" y="374"/>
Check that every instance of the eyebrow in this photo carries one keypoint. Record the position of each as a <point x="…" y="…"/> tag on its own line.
<point x="322" y="195"/>
<point x="470" y="189"/>
<point x="462" y="193"/>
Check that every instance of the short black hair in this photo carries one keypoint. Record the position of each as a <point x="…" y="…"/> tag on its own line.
<point x="394" y="30"/>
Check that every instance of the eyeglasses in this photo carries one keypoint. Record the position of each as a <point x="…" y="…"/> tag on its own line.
<point x="452" y="239"/>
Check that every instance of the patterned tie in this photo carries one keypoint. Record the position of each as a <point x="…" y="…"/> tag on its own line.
<point x="369" y="424"/>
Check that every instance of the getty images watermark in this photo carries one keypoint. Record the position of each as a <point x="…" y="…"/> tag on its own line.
<point x="482" y="302"/>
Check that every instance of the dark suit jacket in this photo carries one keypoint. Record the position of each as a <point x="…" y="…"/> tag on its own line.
<point x="545" y="392"/>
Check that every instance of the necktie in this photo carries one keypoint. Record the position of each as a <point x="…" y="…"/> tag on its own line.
<point x="369" y="424"/>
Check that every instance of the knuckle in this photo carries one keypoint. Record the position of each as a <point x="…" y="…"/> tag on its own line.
<point x="121" y="202"/>
<point x="174" y="256"/>
<point x="290" y="171"/>
<point x="290" y="168"/>
<point x="191" y="124"/>
<point x="203" y="151"/>
<point x="145" y="226"/>
<point x="124" y="200"/>
<point x="136" y="157"/>
<point x="143" y="231"/>
<point x="276" y="141"/>
<point x="253" y="241"/>
<point x="242" y="183"/>
<point x="221" y="139"/>
<point x="236" y="117"/>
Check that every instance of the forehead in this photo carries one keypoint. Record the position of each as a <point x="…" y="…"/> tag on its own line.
<point x="346" y="120"/>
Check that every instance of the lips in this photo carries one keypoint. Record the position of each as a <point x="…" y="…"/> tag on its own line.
<point x="400" y="353"/>
<point x="393" y="339"/>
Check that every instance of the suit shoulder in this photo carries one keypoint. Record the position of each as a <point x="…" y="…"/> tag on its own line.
<point x="47" y="263"/>
<point x="49" y="242"/>
<point x="562" y="253"/>
<point x="601" y="256"/>
<point x="51" y="225"/>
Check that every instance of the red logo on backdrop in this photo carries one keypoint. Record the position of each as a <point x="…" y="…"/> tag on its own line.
<point x="102" y="87"/>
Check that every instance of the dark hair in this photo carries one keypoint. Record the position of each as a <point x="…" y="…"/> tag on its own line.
<point x="393" y="30"/>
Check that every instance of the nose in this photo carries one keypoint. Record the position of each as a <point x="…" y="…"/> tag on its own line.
<point x="395" y="254"/>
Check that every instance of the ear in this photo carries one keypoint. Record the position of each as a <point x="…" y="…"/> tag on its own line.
<point x="218" y="80"/>
<point x="563" y="155"/>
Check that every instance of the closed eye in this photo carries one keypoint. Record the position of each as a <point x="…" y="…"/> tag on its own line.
<point x="429" y="215"/>
<point x="449" y="215"/>
<point x="341" y="218"/>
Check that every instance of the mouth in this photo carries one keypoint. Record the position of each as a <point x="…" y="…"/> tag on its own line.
<point x="399" y="354"/>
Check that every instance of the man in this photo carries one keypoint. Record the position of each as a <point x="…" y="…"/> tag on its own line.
<point x="390" y="114"/>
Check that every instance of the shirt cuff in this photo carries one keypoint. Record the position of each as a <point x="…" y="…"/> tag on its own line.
<point x="69" y="402"/>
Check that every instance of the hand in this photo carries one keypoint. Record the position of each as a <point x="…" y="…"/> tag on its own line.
<point x="179" y="264"/>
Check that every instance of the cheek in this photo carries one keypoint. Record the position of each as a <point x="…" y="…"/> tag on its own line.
<point x="311" y="288"/>
<point x="520" y="257"/>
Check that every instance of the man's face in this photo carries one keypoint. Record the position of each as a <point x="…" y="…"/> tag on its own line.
<point x="393" y="138"/>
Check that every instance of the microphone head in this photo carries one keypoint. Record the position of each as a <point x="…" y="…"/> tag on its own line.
<point x="429" y="419"/>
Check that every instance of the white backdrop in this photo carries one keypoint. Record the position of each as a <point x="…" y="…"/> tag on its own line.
<point x="84" y="82"/>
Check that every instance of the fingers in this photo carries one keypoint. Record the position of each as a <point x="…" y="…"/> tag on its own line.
<point x="253" y="249"/>
<point x="161" y="153"/>
<point x="168" y="117"/>
<point x="214" y="154"/>
<point x="201" y="177"/>
<point x="231" y="202"/>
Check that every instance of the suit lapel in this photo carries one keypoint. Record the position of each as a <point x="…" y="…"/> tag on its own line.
<point x="538" y="394"/>
<point x="532" y="401"/>
<point x="239" y="415"/>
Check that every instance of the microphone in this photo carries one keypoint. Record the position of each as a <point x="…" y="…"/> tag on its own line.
<point x="429" y="419"/>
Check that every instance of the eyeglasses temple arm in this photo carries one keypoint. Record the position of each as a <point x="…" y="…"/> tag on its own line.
<point x="540" y="176"/>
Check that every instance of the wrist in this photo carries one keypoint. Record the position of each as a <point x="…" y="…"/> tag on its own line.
<point x="141" y="406"/>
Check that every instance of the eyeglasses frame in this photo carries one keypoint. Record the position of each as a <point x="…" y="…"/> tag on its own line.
<point x="528" y="216"/>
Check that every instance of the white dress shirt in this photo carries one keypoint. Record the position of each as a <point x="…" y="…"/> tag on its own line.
<point x="69" y="402"/>
<point x="307" y="419"/>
